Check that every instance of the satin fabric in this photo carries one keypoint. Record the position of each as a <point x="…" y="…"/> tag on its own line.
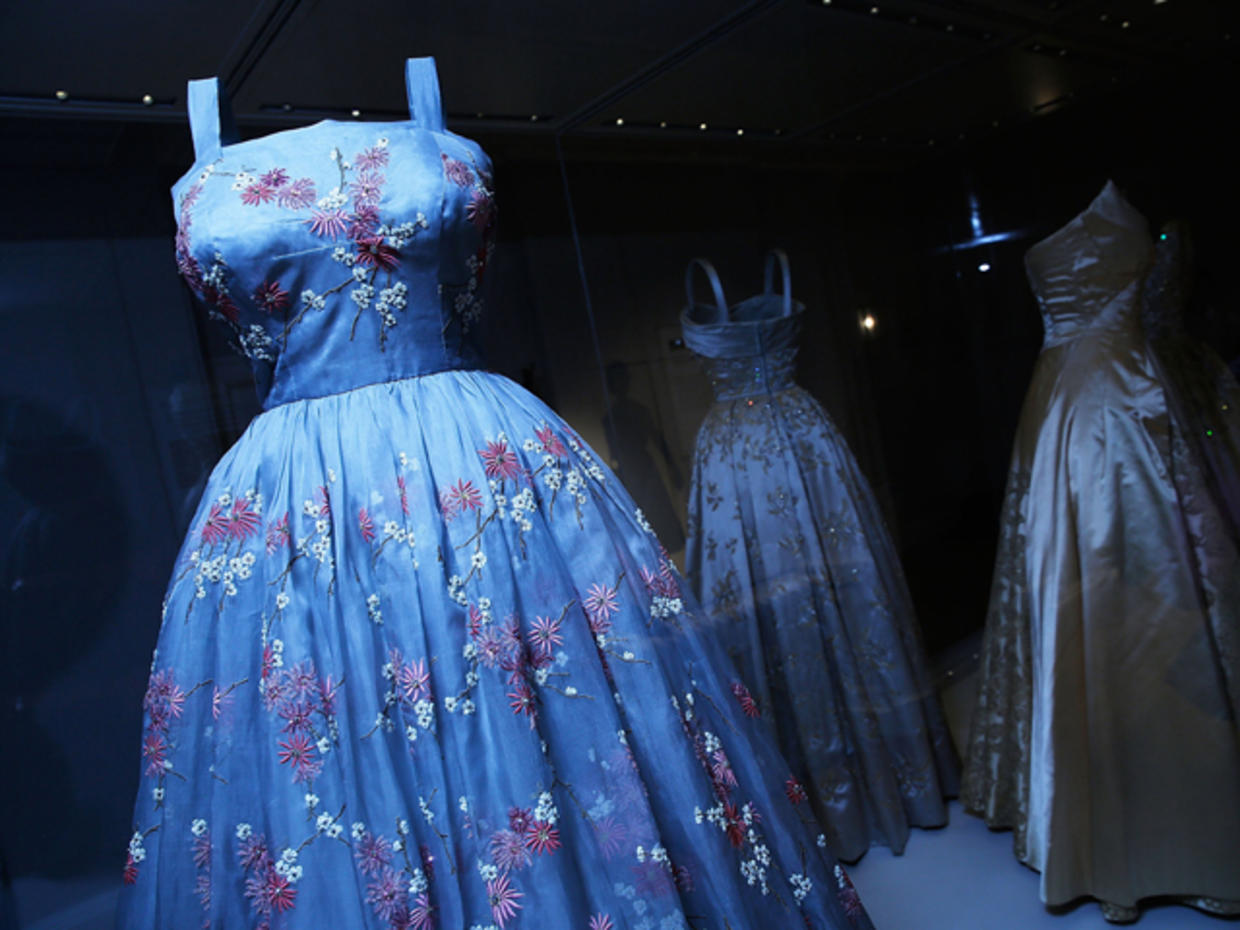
<point x="1105" y="732"/>
<point x="788" y="552"/>
<point x="423" y="663"/>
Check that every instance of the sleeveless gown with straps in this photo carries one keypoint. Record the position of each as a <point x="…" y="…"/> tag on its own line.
<point x="789" y="554"/>
<point x="422" y="663"/>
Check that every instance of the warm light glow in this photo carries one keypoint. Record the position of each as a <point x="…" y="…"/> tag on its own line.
<point x="356" y="113"/>
<point x="868" y="323"/>
<point x="62" y="95"/>
<point x="701" y="125"/>
<point x="147" y="100"/>
<point x="984" y="267"/>
<point x="620" y="121"/>
<point x="740" y="132"/>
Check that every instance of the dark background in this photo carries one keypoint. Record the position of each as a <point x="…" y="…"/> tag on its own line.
<point x="116" y="399"/>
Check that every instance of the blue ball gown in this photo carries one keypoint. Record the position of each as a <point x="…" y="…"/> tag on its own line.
<point x="789" y="553"/>
<point x="422" y="663"/>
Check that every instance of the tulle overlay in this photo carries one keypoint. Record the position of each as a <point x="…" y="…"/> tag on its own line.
<point x="422" y="664"/>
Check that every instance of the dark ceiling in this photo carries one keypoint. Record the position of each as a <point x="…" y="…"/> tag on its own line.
<point x="899" y="75"/>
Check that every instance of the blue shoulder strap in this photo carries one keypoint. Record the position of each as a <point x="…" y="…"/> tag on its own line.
<point x="422" y="86"/>
<point x="782" y="257"/>
<point x="721" y="306"/>
<point x="210" y="118"/>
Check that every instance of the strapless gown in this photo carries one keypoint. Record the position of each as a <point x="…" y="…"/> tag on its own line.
<point x="1106" y="727"/>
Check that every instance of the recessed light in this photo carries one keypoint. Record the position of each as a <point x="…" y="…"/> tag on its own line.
<point x="619" y="120"/>
<point x="701" y="125"/>
<point x="356" y="113"/>
<point x="740" y="132"/>
<point x="147" y="100"/>
<point x="62" y="95"/>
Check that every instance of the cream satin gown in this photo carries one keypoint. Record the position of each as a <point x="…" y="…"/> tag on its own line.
<point x="1106" y="727"/>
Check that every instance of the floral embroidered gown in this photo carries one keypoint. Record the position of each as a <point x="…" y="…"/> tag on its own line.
<point x="422" y="663"/>
<point x="789" y="554"/>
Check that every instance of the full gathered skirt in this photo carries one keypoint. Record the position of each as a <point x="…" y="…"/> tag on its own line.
<point x="422" y="664"/>
<point x="1106" y="730"/>
<point x="790" y="555"/>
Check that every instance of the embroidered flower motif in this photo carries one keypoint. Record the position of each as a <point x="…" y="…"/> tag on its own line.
<point x="458" y="498"/>
<point x="413" y="679"/>
<point x="521" y="700"/>
<point x="481" y="209"/>
<point x="373" y="853"/>
<point x="745" y="699"/>
<point x="299" y="752"/>
<point x="542" y="837"/>
<point x="277" y="534"/>
<point x="545" y="635"/>
<point x="298" y="195"/>
<point x="457" y="171"/>
<point x="373" y="252"/>
<point x="328" y="223"/>
<point x="504" y="899"/>
<point x="269" y="297"/>
<point x="795" y="790"/>
<point x="600" y="603"/>
<point x="257" y="194"/>
<point x="601" y="921"/>
<point x="366" y="525"/>
<point x="500" y="462"/>
<point x="551" y="443"/>
<point x="372" y="158"/>
<point x="367" y="188"/>
<point x="243" y="520"/>
<point x="509" y="851"/>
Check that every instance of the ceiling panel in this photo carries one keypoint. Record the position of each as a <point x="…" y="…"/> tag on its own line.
<point x="103" y="49"/>
<point x="794" y="67"/>
<point x="496" y="58"/>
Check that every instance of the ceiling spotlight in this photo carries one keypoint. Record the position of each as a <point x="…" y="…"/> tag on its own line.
<point x="1125" y="24"/>
<point x="740" y="132"/>
<point x="355" y="113"/>
<point x="984" y="267"/>
<point x="826" y="2"/>
<point x="286" y="107"/>
<point x="533" y="117"/>
<point x="147" y="100"/>
<point x="62" y="95"/>
<point x="663" y="124"/>
<point x="1104" y="17"/>
<point x="701" y="125"/>
<point x="869" y="323"/>
<point x="873" y="11"/>
<point x="619" y="120"/>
